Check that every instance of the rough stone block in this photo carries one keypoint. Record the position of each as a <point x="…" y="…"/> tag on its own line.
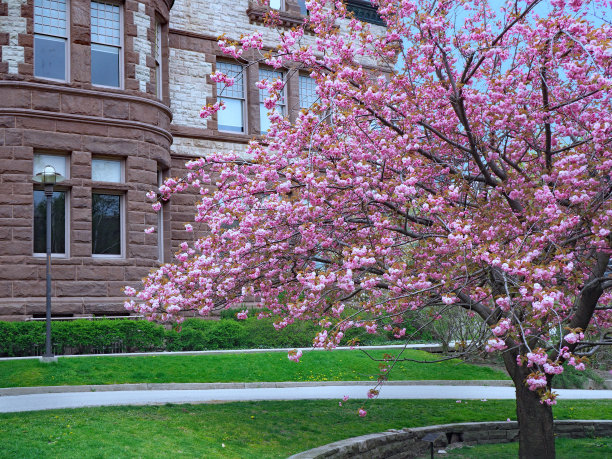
<point x="81" y="288"/>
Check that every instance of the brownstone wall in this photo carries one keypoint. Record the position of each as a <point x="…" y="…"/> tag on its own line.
<point x="76" y="123"/>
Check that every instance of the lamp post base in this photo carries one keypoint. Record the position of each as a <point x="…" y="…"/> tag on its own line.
<point x="51" y="359"/>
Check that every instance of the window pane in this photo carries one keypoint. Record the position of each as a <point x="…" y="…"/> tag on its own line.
<point x="270" y="76"/>
<point x="50" y="17"/>
<point x="236" y="72"/>
<point x="106" y="224"/>
<point x="303" y="8"/>
<point x="276" y="4"/>
<point x="105" y="65"/>
<point x="308" y="92"/>
<point x="58" y="162"/>
<point x="106" y="170"/>
<point x="263" y="117"/>
<point x="105" y="23"/>
<point x="231" y="119"/>
<point x="58" y="222"/>
<point x="50" y="57"/>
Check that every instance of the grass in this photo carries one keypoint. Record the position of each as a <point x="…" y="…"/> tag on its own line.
<point x="270" y="366"/>
<point x="247" y="429"/>
<point x="566" y="448"/>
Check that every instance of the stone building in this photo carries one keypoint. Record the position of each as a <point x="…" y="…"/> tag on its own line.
<point x="109" y="93"/>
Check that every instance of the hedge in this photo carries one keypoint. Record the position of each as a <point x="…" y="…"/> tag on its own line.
<point x="110" y="336"/>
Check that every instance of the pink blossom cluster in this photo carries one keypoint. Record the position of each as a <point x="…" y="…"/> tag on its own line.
<point x="472" y="177"/>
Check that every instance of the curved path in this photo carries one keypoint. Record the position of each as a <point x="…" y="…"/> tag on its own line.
<point x="48" y="401"/>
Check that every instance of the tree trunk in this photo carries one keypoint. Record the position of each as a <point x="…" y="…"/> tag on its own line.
<point x="535" y="420"/>
<point x="536" y="434"/>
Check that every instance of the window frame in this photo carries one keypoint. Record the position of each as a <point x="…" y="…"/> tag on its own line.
<point x="245" y="118"/>
<point x="98" y="187"/>
<point x="57" y="188"/>
<point x="66" y="46"/>
<point x="122" y="223"/>
<point x="121" y="46"/>
<point x="283" y="105"/>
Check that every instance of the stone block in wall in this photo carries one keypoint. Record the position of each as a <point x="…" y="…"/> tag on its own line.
<point x="52" y="140"/>
<point x="16" y="166"/>
<point x="57" y="272"/>
<point x="44" y="124"/>
<point x="11" y="307"/>
<point x="118" y="109"/>
<point x="81" y="105"/>
<point x="81" y="288"/>
<point x="15" y="247"/>
<point x="22" y="289"/>
<point x="109" y="146"/>
<point x="13" y="137"/>
<point x="7" y="121"/>
<point x="92" y="273"/>
<point x="46" y="100"/>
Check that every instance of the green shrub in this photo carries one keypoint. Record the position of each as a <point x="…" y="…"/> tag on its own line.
<point x="574" y="379"/>
<point x="110" y="336"/>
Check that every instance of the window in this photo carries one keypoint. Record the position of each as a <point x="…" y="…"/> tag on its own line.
<point x="107" y="210"/>
<point x="308" y="92"/>
<point x="50" y="39"/>
<point x="303" y="9"/>
<point x="106" y="231"/>
<point x="269" y="75"/>
<point x="277" y="4"/>
<point x="106" y="39"/>
<point x="59" y="209"/>
<point x="106" y="170"/>
<point x="158" y="61"/>
<point x="160" y="221"/>
<point x="232" y="117"/>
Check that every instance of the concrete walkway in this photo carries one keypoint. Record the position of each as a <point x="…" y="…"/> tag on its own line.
<point x="48" y="401"/>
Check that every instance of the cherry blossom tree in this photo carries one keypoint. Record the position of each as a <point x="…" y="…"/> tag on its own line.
<point x="458" y="159"/>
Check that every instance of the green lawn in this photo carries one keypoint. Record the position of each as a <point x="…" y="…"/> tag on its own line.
<point x="247" y="429"/>
<point x="271" y="366"/>
<point x="566" y="448"/>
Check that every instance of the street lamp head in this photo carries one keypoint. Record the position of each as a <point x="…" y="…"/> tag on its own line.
<point x="48" y="176"/>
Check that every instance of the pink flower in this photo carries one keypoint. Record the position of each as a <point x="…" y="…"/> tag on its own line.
<point x="362" y="413"/>
<point x="188" y="227"/>
<point x="294" y="355"/>
<point x="150" y="230"/>
<point x="242" y="315"/>
<point x="345" y="398"/>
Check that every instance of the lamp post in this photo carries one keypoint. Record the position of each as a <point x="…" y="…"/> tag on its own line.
<point x="48" y="177"/>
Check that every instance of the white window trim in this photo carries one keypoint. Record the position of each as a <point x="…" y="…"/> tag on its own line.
<point x="283" y="96"/>
<point x="66" y="49"/>
<point x="122" y="225"/>
<point x="245" y="107"/>
<point x="66" y="254"/>
<point x="121" y="47"/>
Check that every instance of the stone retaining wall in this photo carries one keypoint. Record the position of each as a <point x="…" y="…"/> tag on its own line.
<point x="407" y="443"/>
